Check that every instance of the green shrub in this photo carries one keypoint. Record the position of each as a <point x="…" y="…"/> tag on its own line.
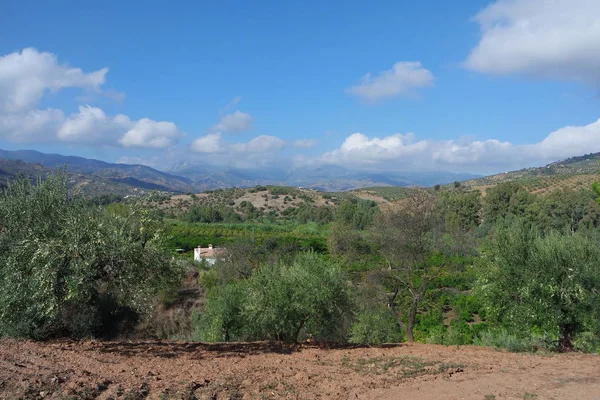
<point x="588" y="342"/>
<point x="66" y="267"/>
<point x="222" y="318"/>
<point x="549" y="282"/>
<point x="375" y="326"/>
<point x="503" y="339"/>
<point x="437" y="335"/>
<point x="458" y="333"/>
<point x="284" y="301"/>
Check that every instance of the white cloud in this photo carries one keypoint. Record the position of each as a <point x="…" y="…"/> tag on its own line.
<point x="403" y="152"/>
<point x="305" y="143"/>
<point x="258" y="145"/>
<point x="213" y="143"/>
<point x="208" y="144"/>
<point x="260" y="151"/>
<point x="402" y="79"/>
<point x="25" y="76"/>
<point x="90" y="125"/>
<point x="150" y="134"/>
<point x="542" y="38"/>
<point x="31" y="126"/>
<point x="233" y="123"/>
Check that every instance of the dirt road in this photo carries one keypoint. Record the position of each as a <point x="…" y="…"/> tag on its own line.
<point x="176" y="370"/>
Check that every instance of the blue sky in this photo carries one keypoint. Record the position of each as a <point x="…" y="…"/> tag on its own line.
<point x="477" y="86"/>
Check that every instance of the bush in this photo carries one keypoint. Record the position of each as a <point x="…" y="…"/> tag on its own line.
<point x="63" y="262"/>
<point x="284" y="301"/>
<point x="503" y="339"/>
<point x="458" y="333"/>
<point x="223" y="318"/>
<point x="588" y="342"/>
<point x="375" y="326"/>
<point x="549" y="282"/>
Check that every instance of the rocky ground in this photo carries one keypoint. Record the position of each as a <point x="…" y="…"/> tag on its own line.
<point x="177" y="370"/>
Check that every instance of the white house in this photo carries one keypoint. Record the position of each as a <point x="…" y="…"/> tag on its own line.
<point x="210" y="254"/>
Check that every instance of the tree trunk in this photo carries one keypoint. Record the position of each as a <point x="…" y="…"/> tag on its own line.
<point x="412" y="316"/>
<point x="299" y="329"/>
<point x="565" y="341"/>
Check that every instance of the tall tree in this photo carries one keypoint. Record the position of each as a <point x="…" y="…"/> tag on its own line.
<point x="416" y="251"/>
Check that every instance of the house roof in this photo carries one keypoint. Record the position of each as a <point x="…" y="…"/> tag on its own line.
<point x="211" y="252"/>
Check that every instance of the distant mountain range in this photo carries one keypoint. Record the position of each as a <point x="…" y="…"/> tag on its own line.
<point x="95" y="176"/>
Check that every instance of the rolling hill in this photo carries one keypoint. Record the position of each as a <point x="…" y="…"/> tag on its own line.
<point x="80" y="183"/>
<point x="95" y="176"/>
<point x="124" y="175"/>
<point x="185" y="178"/>
<point x="572" y="173"/>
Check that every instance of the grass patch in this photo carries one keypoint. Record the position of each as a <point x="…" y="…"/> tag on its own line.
<point x="399" y="367"/>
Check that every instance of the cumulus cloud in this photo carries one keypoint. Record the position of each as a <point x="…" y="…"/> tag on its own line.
<point x="151" y="134"/>
<point x="25" y="76"/>
<point x="31" y="126"/>
<point x="208" y="144"/>
<point x="305" y="143"/>
<point x="260" y="151"/>
<point x="402" y="79"/>
<point x="233" y="123"/>
<point x="258" y="145"/>
<point x="90" y="125"/>
<point x="542" y="38"/>
<point x="403" y="152"/>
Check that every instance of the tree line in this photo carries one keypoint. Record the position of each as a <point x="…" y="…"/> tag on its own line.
<point x="508" y="269"/>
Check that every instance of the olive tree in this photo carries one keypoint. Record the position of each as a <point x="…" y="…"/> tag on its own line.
<point x="283" y="301"/>
<point x="62" y="260"/>
<point x="549" y="282"/>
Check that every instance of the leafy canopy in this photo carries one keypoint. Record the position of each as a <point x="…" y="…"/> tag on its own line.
<point x="62" y="260"/>
<point x="549" y="282"/>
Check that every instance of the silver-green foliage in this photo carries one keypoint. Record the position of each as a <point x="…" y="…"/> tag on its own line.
<point x="547" y="283"/>
<point x="284" y="301"/>
<point x="375" y="326"/>
<point x="61" y="257"/>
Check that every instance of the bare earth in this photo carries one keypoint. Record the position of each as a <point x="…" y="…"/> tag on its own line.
<point x="177" y="370"/>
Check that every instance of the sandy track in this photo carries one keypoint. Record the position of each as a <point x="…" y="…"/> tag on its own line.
<point x="177" y="370"/>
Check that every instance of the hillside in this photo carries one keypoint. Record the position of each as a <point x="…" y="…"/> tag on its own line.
<point x="130" y="176"/>
<point x="572" y="173"/>
<point x="264" y="198"/>
<point x="87" y="184"/>
<point x="185" y="178"/>
<point x="328" y="178"/>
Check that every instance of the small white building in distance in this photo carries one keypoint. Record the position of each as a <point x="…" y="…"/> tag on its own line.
<point x="210" y="254"/>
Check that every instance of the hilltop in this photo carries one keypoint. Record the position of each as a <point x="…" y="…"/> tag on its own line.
<point x="572" y="173"/>
<point x="126" y="177"/>
<point x="80" y="183"/>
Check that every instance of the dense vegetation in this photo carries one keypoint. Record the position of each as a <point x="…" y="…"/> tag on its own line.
<point x="508" y="269"/>
<point x="67" y="267"/>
